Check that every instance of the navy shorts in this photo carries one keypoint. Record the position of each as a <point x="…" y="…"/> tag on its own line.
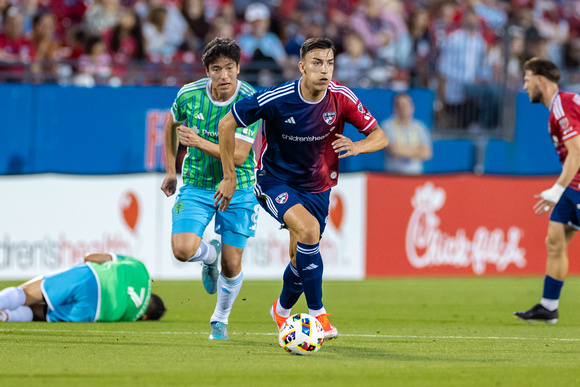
<point x="276" y="198"/>
<point x="566" y="210"/>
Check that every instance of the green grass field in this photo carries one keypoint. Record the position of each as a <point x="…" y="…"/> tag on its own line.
<point x="398" y="332"/>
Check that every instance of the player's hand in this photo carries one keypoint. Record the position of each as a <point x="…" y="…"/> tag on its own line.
<point x="344" y="144"/>
<point x="169" y="185"/>
<point x="224" y="194"/>
<point x="543" y="205"/>
<point x="187" y="136"/>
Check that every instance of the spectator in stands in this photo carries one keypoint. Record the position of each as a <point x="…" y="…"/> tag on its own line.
<point x="193" y="12"/>
<point x="262" y="49"/>
<point x="572" y="65"/>
<point x="14" y="46"/>
<point x="4" y="5"/>
<point x="94" y="64"/>
<point x="69" y="16"/>
<point x="353" y="64"/>
<point x="491" y="12"/>
<point x="398" y="51"/>
<point x="420" y="47"/>
<point x="125" y="40"/>
<point x="409" y="139"/>
<point x="46" y="46"/>
<point x="553" y="28"/>
<point x="220" y="27"/>
<point x="174" y="28"/>
<point x="156" y="45"/>
<point x="460" y="64"/>
<point x="101" y="16"/>
<point x="370" y="22"/>
<point x="513" y="69"/>
<point x="28" y="9"/>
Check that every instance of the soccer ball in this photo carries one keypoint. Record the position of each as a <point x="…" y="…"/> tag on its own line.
<point x="301" y="334"/>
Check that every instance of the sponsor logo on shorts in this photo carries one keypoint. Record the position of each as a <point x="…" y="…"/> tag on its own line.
<point x="282" y="198"/>
<point x="178" y="207"/>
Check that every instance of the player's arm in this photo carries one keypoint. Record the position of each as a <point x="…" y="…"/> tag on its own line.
<point x="374" y="141"/>
<point x="98" y="258"/>
<point x="169" y="184"/>
<point x="550" y="197"/>
<point x="190" y="139"/>
<point x="226" y="132"/>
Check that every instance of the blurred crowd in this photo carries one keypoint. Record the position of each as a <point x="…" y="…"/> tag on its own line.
<point x="465" y="50"/>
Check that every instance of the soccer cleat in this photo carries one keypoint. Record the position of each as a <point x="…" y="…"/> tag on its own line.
<point x="279" y="320"/>
<point x="330" y="332"/>
<point x="210" y="272"/>
<point x="3" y="315"/>
<point x="538" y="313"/>
<point x="219" y="331"/>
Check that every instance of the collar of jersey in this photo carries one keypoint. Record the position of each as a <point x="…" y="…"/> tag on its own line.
<point x="302" y="98"/>
<point x="225" y="103"/>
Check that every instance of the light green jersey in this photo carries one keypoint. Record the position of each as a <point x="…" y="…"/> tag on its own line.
<point x="124" y="289"/>
<point x="196" y="108"/>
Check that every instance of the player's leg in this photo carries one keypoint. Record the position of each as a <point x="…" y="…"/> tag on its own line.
<point x="305" y="227"/>
<point x="308" y="227"/>
<point x="557" y="241"/>
<point x="229" y="284"/>
<point x="17" y="303"/>
<point x="291" y="289"/>
<point x="559" y="235"/>
<point x="236" y="225"/>
<point x="192" y="212"/>
<point x="26" y="294"/>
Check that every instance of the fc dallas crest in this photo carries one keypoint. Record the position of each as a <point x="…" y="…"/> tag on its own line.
<point x="329" y="117"/>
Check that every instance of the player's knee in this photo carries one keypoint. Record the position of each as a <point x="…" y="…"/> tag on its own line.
<point x="554" y="245"/>
<point x="309" y="233"/>
<point x="182" y="252"/>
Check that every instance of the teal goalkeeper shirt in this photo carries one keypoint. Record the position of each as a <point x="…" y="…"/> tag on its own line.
<point x="195" y="107"/>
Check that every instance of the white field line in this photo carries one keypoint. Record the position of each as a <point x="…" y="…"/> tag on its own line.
<point x="275" y="334"/>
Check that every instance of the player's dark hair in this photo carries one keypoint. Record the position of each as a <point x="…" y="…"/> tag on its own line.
<point x="543" y="67"/>
<point x="156" y="308"/>
<point x="221" y="47"/>
<point x="318" y="43"/>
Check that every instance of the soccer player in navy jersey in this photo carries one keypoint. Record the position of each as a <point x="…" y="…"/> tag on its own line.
<point x="563" y="199"/>
<point x="303" y="121"/>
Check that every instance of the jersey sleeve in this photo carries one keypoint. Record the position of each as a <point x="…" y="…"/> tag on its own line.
<point x="248" y="133"/>
<point x="358" y="115"/>
<point x="248" y="110"/>
<point x="569" y="123"/>
<point x="177" y="111"/>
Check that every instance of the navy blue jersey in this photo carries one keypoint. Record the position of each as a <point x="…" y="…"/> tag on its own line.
<point x="297" y="135"/>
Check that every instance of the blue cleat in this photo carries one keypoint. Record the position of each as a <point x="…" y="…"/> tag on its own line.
<point x="219" y="331"/>
<point x="210" y="273"/>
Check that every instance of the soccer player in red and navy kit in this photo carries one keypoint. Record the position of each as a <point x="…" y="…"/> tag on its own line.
<point x="303" y="121"/>
<point x="563" y="199"/>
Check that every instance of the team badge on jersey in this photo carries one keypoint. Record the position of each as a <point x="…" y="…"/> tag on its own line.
<point x="564" y="123"/>
<point x="360" y="107"/>
<point x="282" y="198"/>
<point x="329" y="117"/>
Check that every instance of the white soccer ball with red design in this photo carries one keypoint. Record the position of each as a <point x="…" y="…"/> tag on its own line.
<point x="301" y="334"/>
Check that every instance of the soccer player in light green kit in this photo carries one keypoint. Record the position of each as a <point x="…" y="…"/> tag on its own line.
<point x="196" y="112"/>
<point x="105" y="288"/>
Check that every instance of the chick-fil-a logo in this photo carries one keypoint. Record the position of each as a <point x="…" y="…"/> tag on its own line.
<point x="426" y="245"/>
